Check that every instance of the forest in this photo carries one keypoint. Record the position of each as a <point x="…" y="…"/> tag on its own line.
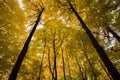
<point x="59" y="39"/>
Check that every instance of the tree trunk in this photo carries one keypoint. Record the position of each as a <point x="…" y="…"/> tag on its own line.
<point x="80" y="68"/>
<point x="55" y="57"/>
<point x="89" y="62"/>
<point x="50" y="65"/>
<point x="41" y="64"/>
<point x="113" y="33"/>
<point x="22" y="54"/>
<point x="68" y="66"/>
<point x="63" y="66"/>
<point x="110" y="67"/>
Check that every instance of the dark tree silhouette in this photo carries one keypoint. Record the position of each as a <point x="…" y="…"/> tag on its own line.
<point x="55" y="56"/>
<point x="22" y="54"/>
<point x="113" y="33"/>
<point x="110" y="67"/>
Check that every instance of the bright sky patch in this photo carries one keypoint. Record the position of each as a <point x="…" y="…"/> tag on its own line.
<point x="21" y="4"/>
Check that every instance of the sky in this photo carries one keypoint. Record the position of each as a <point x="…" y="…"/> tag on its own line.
<point x="21" y="4"/>
<point x="22" y="7"/>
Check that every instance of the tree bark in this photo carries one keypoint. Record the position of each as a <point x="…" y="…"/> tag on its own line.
<point x="110" y="67"/>
<point x="113" y="33"/>
<point x="23" y="52"/>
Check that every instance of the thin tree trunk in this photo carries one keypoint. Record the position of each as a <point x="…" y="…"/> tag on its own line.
<point x="55" y="63"/>
<point x="50" y="65"/>
<point x="41" y="64"/>
<point x="110" y="67"/>
<point x="55" y="55"/>
<point x="92" y="68"/>
<point x="55" y="68"/>
<point x="80" y="69"/>
<point x="85" y="72"/>
<point x="113" y="33"/>
<point x="22" y="54"/>
<point x="90" y="64"/>
<point x="63" y="66"/>
<point x="68" y="66"/>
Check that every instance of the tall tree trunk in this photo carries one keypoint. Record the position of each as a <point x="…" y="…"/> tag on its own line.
<point x="80" y="68"/>
<point x="22" y="54"/>
<point x="50" y="65"/>
<point x="113" y="33"/>
<point x="68" y="65"/>
<point x="110" y="67"/>
<point x="55" y="68"/>
<point x="41" y="64"/>
<point x="55" y="57"/>
<point x="63" y="66"/>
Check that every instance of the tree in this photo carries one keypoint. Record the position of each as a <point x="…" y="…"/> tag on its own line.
<point x="41" y="64"/>
<point x="12" y="26"/>
<point x="110" y="67"/>
<point x="63" y="66"/>
<point x="56" y="35"/>
<point x="114" y="34"/>
<point x="82" y="43"/>
<point x="18" y="63"/>
<point x="59" y="47"/>
<point x="69" y="68"/>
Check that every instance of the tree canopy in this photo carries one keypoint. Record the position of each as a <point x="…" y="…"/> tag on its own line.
<point x="47" y="39"/>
